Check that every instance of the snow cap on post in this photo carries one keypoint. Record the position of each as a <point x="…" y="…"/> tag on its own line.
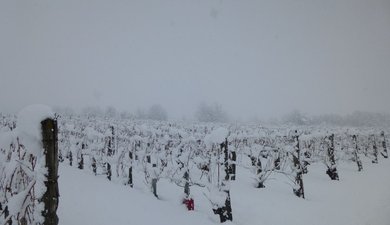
<point x="28" y="125"/>
<point x="217" y="136"/>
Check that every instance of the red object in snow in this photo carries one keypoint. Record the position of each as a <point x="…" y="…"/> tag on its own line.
<point x="189" y="204"/>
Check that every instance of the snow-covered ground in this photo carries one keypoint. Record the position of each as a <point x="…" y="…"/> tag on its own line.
<point x="359" y="198"/>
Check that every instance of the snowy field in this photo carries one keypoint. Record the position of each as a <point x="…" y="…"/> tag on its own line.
<point x="359" y="198"/>
<point x="100" y="160"/>
<point x="194" y="112"/>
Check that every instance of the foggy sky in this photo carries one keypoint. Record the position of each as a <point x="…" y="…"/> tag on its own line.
<point x="262" y="58"/>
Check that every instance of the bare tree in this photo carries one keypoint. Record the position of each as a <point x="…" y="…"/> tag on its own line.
<point x="157" y="112"/>
<point x="211" y="113"/>
<point x="296" y="117"/>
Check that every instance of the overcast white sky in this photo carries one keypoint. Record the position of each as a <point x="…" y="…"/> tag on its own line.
<point x="255" y="57"/>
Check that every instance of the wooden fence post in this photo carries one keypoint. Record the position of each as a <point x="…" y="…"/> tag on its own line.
<point x="355" y="152"/>
<point x="375" y="149"/>
<point x="298" y="189"/>
<point x="50" y="146"/>
<point x="384" y="150"/>
<point x="225" y="212"/>
<point x="332" y="169"/>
